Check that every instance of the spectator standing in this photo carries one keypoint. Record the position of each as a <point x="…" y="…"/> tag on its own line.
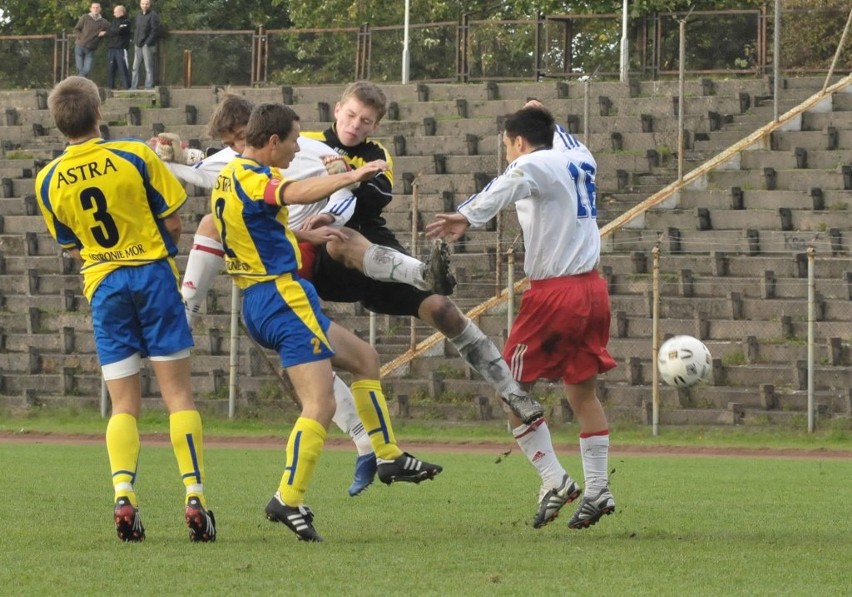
<point x="88" y="31"/>
<point x="118" y="40"/>
<point x="146" y="32"/>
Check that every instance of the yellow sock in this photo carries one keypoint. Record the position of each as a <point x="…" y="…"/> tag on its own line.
<point x="303" y="451"/>
<point x="373" y="412"/>
<point x="188" y="445"/>
<point x="122" y="440"/>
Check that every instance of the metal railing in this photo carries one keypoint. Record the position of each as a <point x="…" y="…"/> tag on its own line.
<point x="736" y="42"/>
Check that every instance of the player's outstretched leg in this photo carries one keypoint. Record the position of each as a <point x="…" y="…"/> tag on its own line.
<point x="482" y="355"/>
<point x="389" y="265"/>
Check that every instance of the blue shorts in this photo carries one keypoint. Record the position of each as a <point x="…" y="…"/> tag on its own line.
<point x="139" y="309"/>
<point x="284" y="315"/>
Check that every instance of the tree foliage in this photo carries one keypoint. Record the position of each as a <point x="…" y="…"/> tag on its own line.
<point x="299" y="54"/>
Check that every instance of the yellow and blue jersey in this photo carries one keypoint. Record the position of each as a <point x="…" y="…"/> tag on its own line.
<point x="281" y="310"/>
<point x="108" y="199"/>
<point x="259" y="245"/>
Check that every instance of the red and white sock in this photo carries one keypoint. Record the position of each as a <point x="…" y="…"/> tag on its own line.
<point x="534" y="440"/>
<point x="205" y="261"/>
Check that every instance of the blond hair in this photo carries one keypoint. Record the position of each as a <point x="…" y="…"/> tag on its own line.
<point x="369" y="94"/>
<point x="75" y="105"/>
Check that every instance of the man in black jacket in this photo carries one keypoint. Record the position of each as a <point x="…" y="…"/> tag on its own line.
<point x="145" y="34"/>
<point x="89" y="30"/>
<point x="118" y="40"/>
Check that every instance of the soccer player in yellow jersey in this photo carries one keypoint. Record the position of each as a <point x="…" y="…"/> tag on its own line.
<point x="281" y="310"/>
<point x="113" y="205"/>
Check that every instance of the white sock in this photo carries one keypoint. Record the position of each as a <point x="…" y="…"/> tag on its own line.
<point x="389" y="265"/>
<point x="594" y="449"/>
<point x="206" y="260"/>
<point x="346" y="418"/>
<point x="482" y="355"/>
<point x="534" y="440"/>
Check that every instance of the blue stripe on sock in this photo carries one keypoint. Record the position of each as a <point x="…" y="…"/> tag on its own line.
<point x="192" y="453"/>
<point x="295" y="463"/>
<point x="383" y="427"/>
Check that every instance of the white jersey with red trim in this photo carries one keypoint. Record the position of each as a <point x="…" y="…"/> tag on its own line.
<point x="307" y="163"/>
<point x="554" y="193"/>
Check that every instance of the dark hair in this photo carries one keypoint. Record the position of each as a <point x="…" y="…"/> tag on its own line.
<point x="267" y="120"/>
<point x="233" y="111"/>
<point x="536" y="125"/>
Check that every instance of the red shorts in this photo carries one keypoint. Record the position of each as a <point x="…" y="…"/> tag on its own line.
<point x="561" y="330"/>
<point x="309" y="255"/>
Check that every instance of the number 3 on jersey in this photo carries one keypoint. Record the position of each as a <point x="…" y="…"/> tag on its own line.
<point x="584" y="179"/>
<point x="105" y="232"/>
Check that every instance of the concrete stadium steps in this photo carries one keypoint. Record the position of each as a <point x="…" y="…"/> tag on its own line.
<point x="698" y="289"/>
<point x="747" y="283"/>
<point x="721" y="329"/>
<point x="24" y="304"/>
<point x="830" y="200"/>
<point x="457" y="145"/>
<point x="40" y="264"/>
<point x="733" y="219"/>
<point x="14" y="206"/>
<point x="820" y="121"/>
<point x="735" y="241"/>
<point x="450" y="164"/>
<point x="22" y="167"/>
<point x="36" y="283"/>
<point x="787" y="269"/>
<point x="818" y="140"/>
<point x="24" y="99"/>
<point x="788" y="179"/>
<point x="722" y="307"/>
<point x="15" y="243"/>
<point x="69" y="341"/>
<point x="813" y="159"/>
<point x="23" y="224"/>
<point x="52" y="363"/>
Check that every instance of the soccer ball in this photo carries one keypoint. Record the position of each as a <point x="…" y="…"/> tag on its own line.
<point x="683" y="361"/>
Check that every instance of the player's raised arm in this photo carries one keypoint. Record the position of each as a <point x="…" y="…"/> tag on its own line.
<point x="311" y="190"/>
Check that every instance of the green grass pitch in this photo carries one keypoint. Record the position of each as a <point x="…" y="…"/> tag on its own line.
<point x="684" y="526"/>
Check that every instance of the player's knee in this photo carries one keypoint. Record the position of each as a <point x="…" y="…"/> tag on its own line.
<point x="368" y="363"/>
<point x="207" y="227"/>
<point x="336" y="249"/>
<point x="443" y="314"/>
